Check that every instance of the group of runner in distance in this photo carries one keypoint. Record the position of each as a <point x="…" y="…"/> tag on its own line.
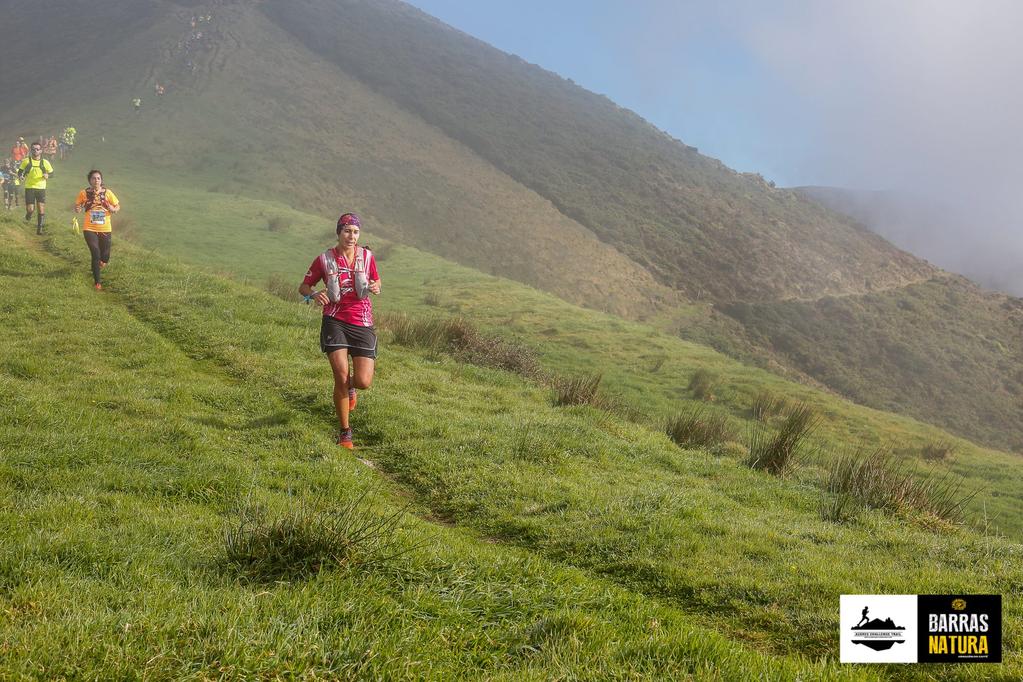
<point x="347" y="270"/>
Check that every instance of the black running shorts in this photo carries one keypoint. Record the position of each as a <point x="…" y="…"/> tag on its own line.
<point x="361" y="342"/>
<point x="34" y="195"/>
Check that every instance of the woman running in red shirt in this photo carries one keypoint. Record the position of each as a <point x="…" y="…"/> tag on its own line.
<point x="349" y="272"/>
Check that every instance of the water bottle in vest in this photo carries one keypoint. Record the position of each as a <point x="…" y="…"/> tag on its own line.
<point x="331" y="275"/>
<point x="360" y="279"/>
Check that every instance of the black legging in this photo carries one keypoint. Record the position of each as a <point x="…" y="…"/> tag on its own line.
<point x="99" y="247"/>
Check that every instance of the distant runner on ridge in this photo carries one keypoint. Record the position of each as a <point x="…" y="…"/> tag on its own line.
<point x="50" y="149"/>
<point x="99" y="203"/>
<point x="67" y="142"/>
<point x="350" y="274"/>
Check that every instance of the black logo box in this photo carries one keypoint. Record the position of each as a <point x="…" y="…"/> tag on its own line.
<point x="979" y="604"/>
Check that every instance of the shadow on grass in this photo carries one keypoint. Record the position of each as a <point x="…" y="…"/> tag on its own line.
<point x="276" y="419"/>
<point x="52" y="274"/>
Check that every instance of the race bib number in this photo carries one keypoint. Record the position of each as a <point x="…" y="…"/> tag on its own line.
<point x="98" y="217"/>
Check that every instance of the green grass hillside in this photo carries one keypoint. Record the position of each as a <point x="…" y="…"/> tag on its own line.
<point x="879" y="348"/>
<point x="145" y="423"/>
<point x="647" y="370"/>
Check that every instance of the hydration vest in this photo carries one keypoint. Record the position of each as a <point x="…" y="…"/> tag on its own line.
<point x="91" y="199"/>
<point x="30" y="166"/>
<point x="332" y="273"/>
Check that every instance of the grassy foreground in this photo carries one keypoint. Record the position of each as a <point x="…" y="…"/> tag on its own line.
<point x="140" y="423"/>
<point x="128" y="456"/>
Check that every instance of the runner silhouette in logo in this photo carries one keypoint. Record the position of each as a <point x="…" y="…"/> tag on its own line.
<point x="864" y="619"/>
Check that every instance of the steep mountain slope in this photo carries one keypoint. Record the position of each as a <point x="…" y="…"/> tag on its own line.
<point x="697" y="225"/>
<point x="458" y="149"/>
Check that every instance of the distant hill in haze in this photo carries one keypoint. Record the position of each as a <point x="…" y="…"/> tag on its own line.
<point x="944" y="234"/>
<point x="457" y="148"/>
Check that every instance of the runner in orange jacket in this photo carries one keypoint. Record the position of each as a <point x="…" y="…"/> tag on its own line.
<point x="19" y="151"/>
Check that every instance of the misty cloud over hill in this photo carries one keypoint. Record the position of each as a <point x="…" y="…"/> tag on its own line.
<point x="944" y="233"/>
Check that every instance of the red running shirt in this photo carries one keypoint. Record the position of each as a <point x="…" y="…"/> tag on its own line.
<point x="349" y="309"/>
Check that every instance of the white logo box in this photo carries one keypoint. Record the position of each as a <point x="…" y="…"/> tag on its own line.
<point x="886" y="614"/>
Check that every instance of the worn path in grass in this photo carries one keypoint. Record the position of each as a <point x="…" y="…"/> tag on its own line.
<point x="737" y="551"/>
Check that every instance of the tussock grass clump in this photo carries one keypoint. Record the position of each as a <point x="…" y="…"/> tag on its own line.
<point x="492" y="351"/>
<point x="702" y="384"/>
<point x="278" y="223"/>
<point x="766" y="404"/>
<point x="414" y="333"/>
<point x="775" y="453"/>
<point x="878" y="481"/>
<point x="938" y="451"/>
<point x="693" y="427"/>
<point x="838" y="507"/>
<point x="282" y="287"/>
<point x="584" y="390"/>
<point x="461" y="338"/>
<point x="307" y="538"/>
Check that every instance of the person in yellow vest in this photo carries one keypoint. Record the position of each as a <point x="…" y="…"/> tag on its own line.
<point x="66" y="143"/>
<point x="36" y="171"/>
<point x="99" y="203"/>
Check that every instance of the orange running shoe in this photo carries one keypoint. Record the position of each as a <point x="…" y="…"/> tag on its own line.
<point x="97" y="286"/>
<point x="353" y="399"/>
<point x="344" y="439"/>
